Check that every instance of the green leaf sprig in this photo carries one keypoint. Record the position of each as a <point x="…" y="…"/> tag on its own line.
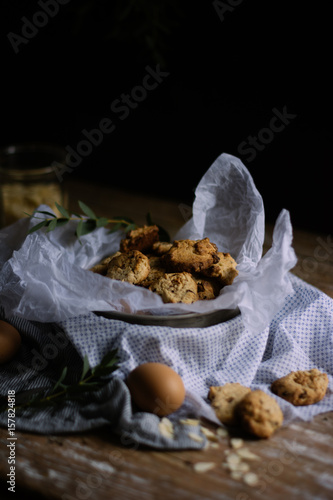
<point x="86" y="223"/>
<point x="91" y="379"/>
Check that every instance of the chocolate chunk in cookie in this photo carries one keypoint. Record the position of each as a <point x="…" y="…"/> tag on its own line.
<point x="141" y="238"/>
<point x="132" y="267"/>
<point x="191" y="256"/>
<point x="224" y="270"/>
<point x="259" y="414"/>
<point x="225" y="399"/>
<point x="301" y="388"/>
<point x="176" y="287"/>
<point x="207" y="288"/>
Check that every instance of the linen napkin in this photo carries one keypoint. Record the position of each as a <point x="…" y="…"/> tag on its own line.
<point x="298" y="338"/>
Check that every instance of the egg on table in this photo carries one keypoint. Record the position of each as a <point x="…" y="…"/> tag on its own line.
<point x="156" y="388"/>
<point x="10" y="341"/>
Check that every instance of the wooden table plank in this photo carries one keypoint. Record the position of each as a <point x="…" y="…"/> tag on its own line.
<point x="296" y="462"/>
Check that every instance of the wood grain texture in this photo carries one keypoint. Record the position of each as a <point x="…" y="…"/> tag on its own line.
<point x="295" y="463"/>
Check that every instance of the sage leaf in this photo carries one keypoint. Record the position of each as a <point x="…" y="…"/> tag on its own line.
<point x="62" y="377"/>
<point x="129" y="228"/>
<point x="62" y="222"/>
<point x="86" y="210"/>
<point x="45" y="213"/>
<point x="38" y="226"/>
<point x="51" y="225"/>
<point x="86" y="367"/>
<point x="62" y="210"/>
<point x="78" y="230"/>
<point x="116" y="227"/>
<point x="102" y="221"/>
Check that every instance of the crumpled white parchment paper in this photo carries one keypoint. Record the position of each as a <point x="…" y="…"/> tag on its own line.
<point x="44" y="276"/>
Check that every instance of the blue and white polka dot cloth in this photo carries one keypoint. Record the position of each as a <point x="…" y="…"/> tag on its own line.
<point x="300" y="337"/>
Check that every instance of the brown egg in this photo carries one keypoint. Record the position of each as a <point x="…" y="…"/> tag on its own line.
<point x="156" y="388"/>
<point x="10" y="341"/>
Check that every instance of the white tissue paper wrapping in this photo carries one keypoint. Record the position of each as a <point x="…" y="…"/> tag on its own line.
<point x="45" y="277"/>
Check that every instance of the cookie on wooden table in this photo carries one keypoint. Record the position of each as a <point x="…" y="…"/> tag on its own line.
<point x="259" y="414"/>
<point x="225" y="399"/>
<point x="301" y="388"/>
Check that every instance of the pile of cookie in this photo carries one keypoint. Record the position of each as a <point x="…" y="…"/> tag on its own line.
<point x="183" y="271"/>
<point x="258" y="413"/>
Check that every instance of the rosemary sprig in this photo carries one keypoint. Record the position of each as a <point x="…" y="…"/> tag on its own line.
<point x="91" y="379"/>
<point x="86" y="223"/>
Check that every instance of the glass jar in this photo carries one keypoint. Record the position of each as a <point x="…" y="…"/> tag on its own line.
<point x="28" y="178"/>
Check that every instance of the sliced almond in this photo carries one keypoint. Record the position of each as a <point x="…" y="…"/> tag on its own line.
<point x="236" y="443"/>
<point x="166" y="428"/>
<point x="195" y="437"/>
<point x="203" y="466"/>
<point x="209" y="434"/>
<point x="189" y="421"/>
<point x="247" y="454"/>
<point x="251" y="479"/>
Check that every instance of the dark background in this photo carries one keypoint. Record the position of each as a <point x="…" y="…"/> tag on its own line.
<point x="227" y="72"/>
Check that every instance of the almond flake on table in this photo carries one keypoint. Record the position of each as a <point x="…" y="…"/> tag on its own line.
<point x="236" y="443"/>
<point x="251" y="479"/>
<point x="247" y="454"/>
<point x="203" y="466"/>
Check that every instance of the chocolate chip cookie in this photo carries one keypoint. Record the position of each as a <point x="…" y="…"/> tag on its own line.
<point x="190" y="256"/>
<point x="141" y="238"/>
<point x="301" y="388"/>
<point x="259" y="414"/>
<point x="132" y="267"/>
<point x="176" y="287"/>
<point x="224" y="270"/>
<point x="225" y="399"/>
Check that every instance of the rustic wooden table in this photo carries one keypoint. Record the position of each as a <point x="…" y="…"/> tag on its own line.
<point x="295" y="463"/>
